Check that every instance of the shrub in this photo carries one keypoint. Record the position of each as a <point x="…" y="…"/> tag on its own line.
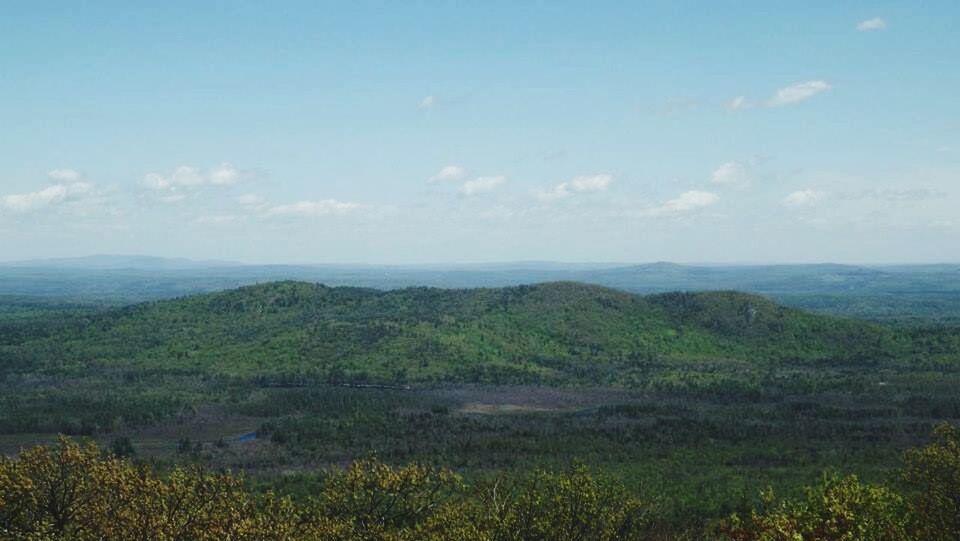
<point x="838" y="509"/>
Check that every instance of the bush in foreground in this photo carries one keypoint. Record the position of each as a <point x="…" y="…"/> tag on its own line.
<point x="76" y="492"/>
<point x="73" y="491"/>
<point x="844" y="509"/>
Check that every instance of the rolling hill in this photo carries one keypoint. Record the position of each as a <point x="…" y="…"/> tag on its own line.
<point x="918" y="294"/>
<point x="561" y="332"/>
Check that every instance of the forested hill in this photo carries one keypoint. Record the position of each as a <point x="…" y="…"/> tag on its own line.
<point x="553" y="333"/>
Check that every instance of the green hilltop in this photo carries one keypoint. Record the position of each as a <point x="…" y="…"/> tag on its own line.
<point x="556" y="333"/>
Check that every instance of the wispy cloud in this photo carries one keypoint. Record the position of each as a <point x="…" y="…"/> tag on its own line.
<point x="428" y="102"/>
<point x="896" y="195"/>
<point x="173" y="198"/>
<point x="224" y="175"/>
<point x="582" y="184"/>
<point x="250" y="200"/>
<point x="739" y="103"/>
<point x="732" y="174"/>
<point x="172" y="188"/>
<point x="481" y="185"/>
<point x="58" y="193"/>
<point x="875" y="23"/>
<point x="69" y="188"/>
<point x="218" y="219"/>
<point x="64" y="175"/>
<point x="323" y="207"/>
<point x="183" y="176"/>
<point x="803" y="198"/>
<point x="450" y="172"/>
<point x="686" y="202"/>
<point x="797" y="92"/>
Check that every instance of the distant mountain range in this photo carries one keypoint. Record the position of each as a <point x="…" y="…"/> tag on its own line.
<point x="878" y="292"/>
<point x="119" y="262"/>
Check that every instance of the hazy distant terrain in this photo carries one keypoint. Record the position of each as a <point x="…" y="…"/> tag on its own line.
<point x="901" y="292"/>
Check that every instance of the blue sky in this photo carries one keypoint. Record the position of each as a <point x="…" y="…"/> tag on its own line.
<point x="482" y="131"/>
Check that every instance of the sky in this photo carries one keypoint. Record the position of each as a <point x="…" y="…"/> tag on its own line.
<point x="445" y="132"/>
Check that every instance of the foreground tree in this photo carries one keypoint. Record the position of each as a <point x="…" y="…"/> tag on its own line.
<point x="575" y="505"/>
<point x="934" y="471"/>
<point x="72" y="491"/>
<point x="838" y="509"/>
<point x="75" y="492"/>
<point x="376" y="501"/>
<point x="843" y="509"/>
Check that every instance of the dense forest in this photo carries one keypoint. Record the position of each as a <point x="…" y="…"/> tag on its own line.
<point x="689" y="405"/>
<point x="558" y="333"/>
<point x="75" y="492"/>
<point x="892" y="293"/>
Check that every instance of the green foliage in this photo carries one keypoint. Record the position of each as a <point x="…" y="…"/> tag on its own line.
<point x="72" y="492"/>
<point x="698" y="399"/>
<point x="122" y="447"/>
<point x="375" y="499"/>
<point x="78" y="409"/>
<point x="844" y="509"/>
<point x="838" y="509"/>
<point x="576" y="505"/>
<point x="934" y="471"/>
<point x="561" y="333"/>
<point x="915" y="294"/>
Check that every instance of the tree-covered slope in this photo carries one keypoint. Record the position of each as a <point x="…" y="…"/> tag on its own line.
<point x="915" y="294"/>
<point x="555" y="332"/>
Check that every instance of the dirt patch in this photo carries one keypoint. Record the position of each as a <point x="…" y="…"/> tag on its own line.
<point x="506" y="400"/>
<point x="499" y="409"/>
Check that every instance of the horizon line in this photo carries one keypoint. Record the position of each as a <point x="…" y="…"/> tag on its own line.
<point x="216" y="262"/>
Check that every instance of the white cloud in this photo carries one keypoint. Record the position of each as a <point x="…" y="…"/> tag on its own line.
<point x="186" y="176"/>
<point x="224" y="175"/>
<point x="797" y="93"/>
<point x="740" y="102"/>
<point x="803" y="198"/>
<point x="582" y="184"/>
<point x="450" y="172"/>
<point x="323" y="207"/>
<point x="595" y="183"/>
<point x="172" y="188"/>
<point x="685" y="202"/>
<point x="182" y="176"/>
<point x="875" y="23"/>
<point x="734" y="174"/>
<point x="70" y="189"/>
<point x="64" y="175"/>
<point x="427" y="102"/>
<point x="154" y="181"/>
<point x="481" y="185"/>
